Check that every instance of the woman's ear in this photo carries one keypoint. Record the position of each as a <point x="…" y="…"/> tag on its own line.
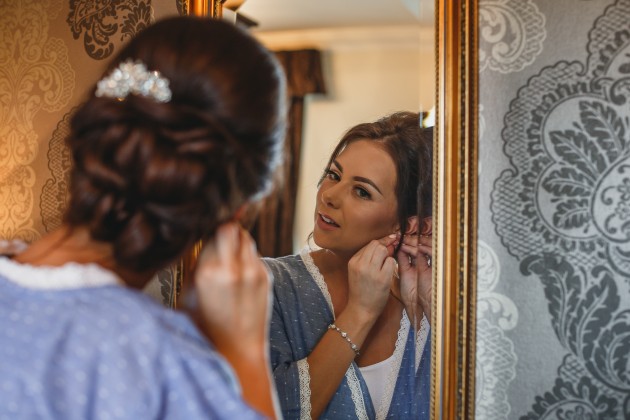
<point x="412" y="225"/>
<point x="427" y="226"/>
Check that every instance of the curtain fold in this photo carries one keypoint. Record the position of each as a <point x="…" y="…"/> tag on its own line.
<point x="273" y="226"/>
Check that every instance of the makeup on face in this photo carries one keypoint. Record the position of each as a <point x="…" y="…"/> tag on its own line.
<point x="356" y="200"/>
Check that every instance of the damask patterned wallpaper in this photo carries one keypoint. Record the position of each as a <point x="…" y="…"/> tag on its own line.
<point x="51" y="52"/>
<point x="553" y="334"/>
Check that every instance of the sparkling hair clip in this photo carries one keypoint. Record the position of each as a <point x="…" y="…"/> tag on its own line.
<point x="133" y="77"/>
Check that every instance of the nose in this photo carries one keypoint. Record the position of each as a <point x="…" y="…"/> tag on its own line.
<point x="329" y="196"/>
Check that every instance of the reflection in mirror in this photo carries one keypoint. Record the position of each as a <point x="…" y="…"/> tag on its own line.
<point x="349" y="335"/>
<point x="376" y="58"/>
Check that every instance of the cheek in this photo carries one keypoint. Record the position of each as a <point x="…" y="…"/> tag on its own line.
<point x="376" y="224"/>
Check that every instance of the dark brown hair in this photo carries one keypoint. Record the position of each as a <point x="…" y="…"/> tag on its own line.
<point x="411" y="148"/>
<point x="153" y="178"/>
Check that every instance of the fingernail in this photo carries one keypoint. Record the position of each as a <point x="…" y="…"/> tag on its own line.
<point x="393" y="236"/>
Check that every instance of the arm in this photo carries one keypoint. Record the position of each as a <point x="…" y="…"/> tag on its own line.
<point x="369" y="275"/>
<point x="233" y="308"/>
<point x="296" y="373"/>
<point x="330" y="359"/>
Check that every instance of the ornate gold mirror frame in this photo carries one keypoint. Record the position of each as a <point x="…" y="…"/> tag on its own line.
<point x="455" y="212"/>
<point x="208" y="8"/>
<point x="185" y="267"/>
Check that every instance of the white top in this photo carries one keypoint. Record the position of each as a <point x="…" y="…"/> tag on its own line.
<point x="374" y="379"/>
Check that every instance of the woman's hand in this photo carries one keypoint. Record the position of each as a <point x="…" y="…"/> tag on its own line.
<point x="233" y="292"/>
<point x="370" y="273"/>
<point x="425" y="274"/>
<point x="415" y="275"/>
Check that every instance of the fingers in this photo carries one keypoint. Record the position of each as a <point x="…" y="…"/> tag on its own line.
<point x="233" y="290"/>
<point x="380" y="257"/>
<point x="418" y="246"/>
<point x="390" y="242"/>
<point x="375" y="262"/>
<point x="231" y="256"/>
<point x="425" y="249"/>
<point x="389" y="266"/>
<point x="222" y="245"/>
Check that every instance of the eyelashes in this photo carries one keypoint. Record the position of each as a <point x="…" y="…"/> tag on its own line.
<point x="359" y="191"/>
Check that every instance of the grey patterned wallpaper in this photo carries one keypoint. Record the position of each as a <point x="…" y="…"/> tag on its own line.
<point x="553" y="333"/>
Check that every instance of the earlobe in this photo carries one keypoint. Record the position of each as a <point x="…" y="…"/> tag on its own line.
<point x="412" y="225"/>
<point x="427" y="226"/>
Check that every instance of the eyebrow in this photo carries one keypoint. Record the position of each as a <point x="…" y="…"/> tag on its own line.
<point x="359" y="178"/>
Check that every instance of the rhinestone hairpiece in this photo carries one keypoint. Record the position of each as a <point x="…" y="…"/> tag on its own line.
<point x="133" y="77"/>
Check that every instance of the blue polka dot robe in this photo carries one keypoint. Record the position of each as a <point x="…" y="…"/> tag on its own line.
<point x="302" y="311"/>
<point x="76" y="344"/>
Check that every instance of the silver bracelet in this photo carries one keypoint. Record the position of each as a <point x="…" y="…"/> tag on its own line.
<point x="345" y="337"/>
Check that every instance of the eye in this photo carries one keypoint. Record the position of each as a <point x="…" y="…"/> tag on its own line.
<point x="332" y="175"/>
<point x="363" y="193"/>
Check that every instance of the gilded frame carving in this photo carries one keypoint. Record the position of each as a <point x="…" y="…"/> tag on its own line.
<point x="455" y="212"/>
<point x="185" y="267"/>
<point x="209" y="8"/>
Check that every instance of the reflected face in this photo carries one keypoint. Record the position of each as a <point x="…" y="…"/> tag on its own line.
<point x="356" y="201"/>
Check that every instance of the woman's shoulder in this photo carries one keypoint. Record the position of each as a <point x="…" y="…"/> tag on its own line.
<point x="295" y="279"/>
<point x="284" y="264"/>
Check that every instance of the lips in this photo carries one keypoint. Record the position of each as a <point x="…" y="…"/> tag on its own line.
<point x="328" y="220"/>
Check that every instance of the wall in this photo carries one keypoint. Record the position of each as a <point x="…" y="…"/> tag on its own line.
<point x="370" y="72"/>
<point x="51" y="52"/>
<point x="553" y="309"/>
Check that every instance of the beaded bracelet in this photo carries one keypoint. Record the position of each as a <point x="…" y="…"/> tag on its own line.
<point x="345" y="337"/>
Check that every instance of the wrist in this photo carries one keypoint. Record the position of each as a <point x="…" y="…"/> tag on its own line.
<point x="249" y="353"/>
<point x="358" y="316"/>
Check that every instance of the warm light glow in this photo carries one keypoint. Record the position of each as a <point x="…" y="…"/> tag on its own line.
<point x="429" y="120"/>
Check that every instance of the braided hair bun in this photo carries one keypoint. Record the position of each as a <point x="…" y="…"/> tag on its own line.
<point x="152" y="178"/>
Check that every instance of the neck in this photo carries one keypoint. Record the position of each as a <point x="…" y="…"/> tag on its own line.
<point x="75" y="245"/>
<point x="331" y="263"/>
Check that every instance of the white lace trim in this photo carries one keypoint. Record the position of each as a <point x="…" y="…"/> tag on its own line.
<point x="357" y="395"/>
<point x="317" y="276"/>
<point x="67" y="276"/>
<point x="399" y="351"/>
<point x="351" y="375"/>
<point x="305" y="389"/>
<point x="421" y="338"/>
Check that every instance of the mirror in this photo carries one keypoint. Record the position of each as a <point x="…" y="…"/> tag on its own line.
<point x="377" y="57"/>
<point x="373" y="64"/>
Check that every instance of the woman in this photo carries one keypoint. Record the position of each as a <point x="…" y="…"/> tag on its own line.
<point x="342" y="343"/>
<point x="183" y="109"/>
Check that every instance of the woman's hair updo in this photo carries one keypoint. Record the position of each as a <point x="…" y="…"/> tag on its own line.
<point x="153" y="178"/>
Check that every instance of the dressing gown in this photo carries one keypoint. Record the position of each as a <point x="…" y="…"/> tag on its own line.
<point x="302" y="311"/>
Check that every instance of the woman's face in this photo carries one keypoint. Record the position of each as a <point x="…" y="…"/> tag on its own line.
<point x="356" y="201"/>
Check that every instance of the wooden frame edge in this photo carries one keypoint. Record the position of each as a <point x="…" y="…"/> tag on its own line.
<point x="208" y="8"/>
<point x="455" y="178"/>
<point x="186" y="265"/>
